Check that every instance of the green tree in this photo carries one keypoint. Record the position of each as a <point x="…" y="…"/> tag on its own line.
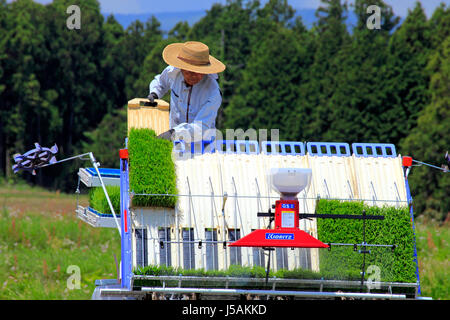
<point x="113" y="64"/>
<point x="440" y="25"/>
<point x="26" y="107"/>
<point x="355" y="105"/>
<point x="325" y="40"/>
<point x="3" y="17"/>
<point x="430" y="140"/>
<point x="106" y="140"/>
<point x="153" y="64"/>
<point x="180" y="31"/>
<point x="73" y="71"/>
<point x="228" y="31"/>
<point x="278" y="11"/>
<point x="406" y="78"/>
<point x="140" y="39"/>
<point x="269" y="83"/>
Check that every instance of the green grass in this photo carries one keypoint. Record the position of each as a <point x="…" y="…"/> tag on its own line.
<point x="37" y="247"/>
<point x="434" y="252"/>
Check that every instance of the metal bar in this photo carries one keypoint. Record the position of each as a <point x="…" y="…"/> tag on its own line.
<point x="318" y="282"/>
<point x="326" y="188"/>
<point x="339" y="216"/>
<point x="363" y="244"/>
<point x="304" y="294"/>
<point x="213" y="214"/>
<point x="430" y="165"/>
<point x="218" y="242"/>
<point x="188" y="241"/>
<point x="350" y="188"/>
<point x="94" y="163"/>
<point x="364" y="250"/>
<point x="177" y="226"/>
<point x="326" y="216"/>
<point x="67" y="159"/>
<point x="126" y="242"/>
<point x="252" y="197"/>
<point x="225" y="227"/>
<point x="374" y="193"/>
<point x="239" y="210"/>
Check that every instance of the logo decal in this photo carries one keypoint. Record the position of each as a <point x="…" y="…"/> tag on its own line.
<point x="279" y="236"/>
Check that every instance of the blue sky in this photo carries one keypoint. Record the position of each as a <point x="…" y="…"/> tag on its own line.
<point x="157" y="6"/>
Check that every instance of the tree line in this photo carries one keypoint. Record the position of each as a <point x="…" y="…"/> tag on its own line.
<point x="329" y="82"/>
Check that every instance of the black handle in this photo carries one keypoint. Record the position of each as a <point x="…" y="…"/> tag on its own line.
<point x="148" y="104"/>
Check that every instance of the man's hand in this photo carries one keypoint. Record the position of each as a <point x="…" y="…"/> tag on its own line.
<point x="168" y="135"/>
<point x="152" y="96"/>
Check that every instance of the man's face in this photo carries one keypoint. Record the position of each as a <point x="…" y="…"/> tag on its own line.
<point x="192" y="78"/>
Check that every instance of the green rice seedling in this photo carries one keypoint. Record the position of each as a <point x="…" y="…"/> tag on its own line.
<point x="98" y="201"/>
<point x="344" y="262"/>
<point x="152" y="170"/>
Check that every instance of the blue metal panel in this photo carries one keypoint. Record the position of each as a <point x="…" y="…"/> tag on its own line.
<point x="250" y="147"/>
<point x="105" y="172"/>
<point x="237" y="146"/>
<point x="339" y="149"/>
<point x="180" y="146"/>
<point x="384" y="150"/>
<point x="283" y="148"/>
<point x="225" y="146"/>
<point x="205" y="144"/>
<point x="126" y="253"/>
<point x="100" y="214"/>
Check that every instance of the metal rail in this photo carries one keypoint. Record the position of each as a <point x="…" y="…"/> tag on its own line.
<point x="220" y="291"/>
<point x="303" y="294"/>
<point x="200" y="242"/>
<point x="214" y="282"/>
<point x="256" y="197"/>
<point x="319" y="283"/>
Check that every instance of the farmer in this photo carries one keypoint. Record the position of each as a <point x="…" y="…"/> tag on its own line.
<point x="195" y="96"/>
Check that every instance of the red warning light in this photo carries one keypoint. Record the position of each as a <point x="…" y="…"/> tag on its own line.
<point x="407" y="161"/>
<point x="123" y="153"/>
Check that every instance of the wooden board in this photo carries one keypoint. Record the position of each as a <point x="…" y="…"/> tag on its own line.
<point x="141" y="116"/>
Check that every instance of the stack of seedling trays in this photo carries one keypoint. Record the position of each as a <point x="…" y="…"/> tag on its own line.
<point x="98" y="214"/>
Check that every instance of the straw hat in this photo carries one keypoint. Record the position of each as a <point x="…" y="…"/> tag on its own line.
<point x="192" y="56"/>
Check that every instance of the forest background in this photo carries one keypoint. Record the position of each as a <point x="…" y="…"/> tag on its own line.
<point x="328" y="82"/>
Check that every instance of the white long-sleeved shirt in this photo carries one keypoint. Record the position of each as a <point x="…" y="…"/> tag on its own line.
<point x="193" y="109"/>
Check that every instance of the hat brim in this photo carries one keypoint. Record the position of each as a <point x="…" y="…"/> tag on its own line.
<point x="170" y="56"/>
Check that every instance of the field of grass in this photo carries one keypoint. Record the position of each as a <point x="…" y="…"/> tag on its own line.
<point x="41" y="240"/>
<point x="434" y="252"/>
<point x="43" y="246"/>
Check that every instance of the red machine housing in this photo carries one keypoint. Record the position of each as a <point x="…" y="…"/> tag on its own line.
<point x="286" y="232"/>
